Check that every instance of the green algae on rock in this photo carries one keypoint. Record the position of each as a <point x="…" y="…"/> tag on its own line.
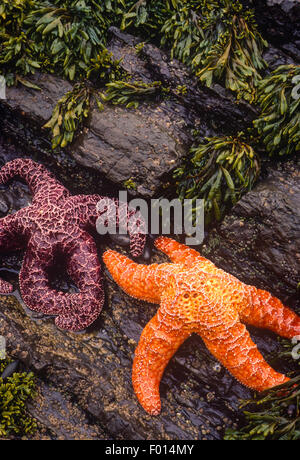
<point x="221" y="170"/>
<point x="221" y="43"/>
<point x="275" y="414"/>
<point x="279" y="121"/>
<point x="15" y="391"/>
<point x="69" y="38"/>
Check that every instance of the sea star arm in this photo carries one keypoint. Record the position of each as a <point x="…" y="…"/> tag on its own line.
<point x="177" y="252"/>
<point x="9" y="241"/>
<point x="74" y="311"/>
<point x="94" y="210"/>
<point x="38" y="178"/>
<point x="159" y="341"/>
<point x="268" y="312"/>
<point x="139" y="281"/>
<point x="84" y="268"/>
<point x="34" y="283"/>
<point x="234" y="348"/>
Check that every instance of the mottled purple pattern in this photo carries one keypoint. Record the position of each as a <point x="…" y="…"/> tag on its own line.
<point x="57" y="223"/>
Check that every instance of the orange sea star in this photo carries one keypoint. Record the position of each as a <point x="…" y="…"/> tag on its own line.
<point x="196" y="296"/>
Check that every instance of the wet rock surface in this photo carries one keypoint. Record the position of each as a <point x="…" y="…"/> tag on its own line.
<point x="279" y="20"/>
<point x="143" y="145"/>
<point x="84" y="380"/>
<point x="214" y="108"/>
<point x="38" y="105"/>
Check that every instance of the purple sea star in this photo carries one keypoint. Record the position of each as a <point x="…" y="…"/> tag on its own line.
<point x="57" y="223"/>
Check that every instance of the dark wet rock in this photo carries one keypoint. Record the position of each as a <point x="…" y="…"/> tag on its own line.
<point x="27" y="143"/>
<point x="275" y="57"/>
<point x="143" y="145"/>
<point x="259" y="240"/>
<point x="10" y="370"/>
<point x="215" y="107"/>
<point x="59" y="418"/>
<point x="38" y="105"/>
<point x="3" y="204"/>
<point x="279" y="22"/>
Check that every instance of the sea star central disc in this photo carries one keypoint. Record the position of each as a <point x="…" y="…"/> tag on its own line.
<point x="197" y="297"/>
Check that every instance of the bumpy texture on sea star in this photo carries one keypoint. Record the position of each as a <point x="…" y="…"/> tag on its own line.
<point x="58" y="224"/>
<point x="196" y="296"/>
